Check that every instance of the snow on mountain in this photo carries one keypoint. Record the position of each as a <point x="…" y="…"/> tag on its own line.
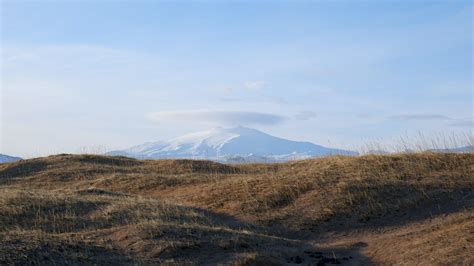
<point x="7" y="159"/>
<point x="229" y="144"/>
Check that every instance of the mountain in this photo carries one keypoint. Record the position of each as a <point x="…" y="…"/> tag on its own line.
<point x="465" y="149"/>
<point x="239" y="144"/>
<point x="7" y="159"/>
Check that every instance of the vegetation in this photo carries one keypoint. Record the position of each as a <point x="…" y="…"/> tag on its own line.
<point x="382" y="209"/>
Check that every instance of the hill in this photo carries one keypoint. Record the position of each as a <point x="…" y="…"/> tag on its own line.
<point x="7" y="158"/>
<point x="375" y="209"/>
<point x="230" y="144"/>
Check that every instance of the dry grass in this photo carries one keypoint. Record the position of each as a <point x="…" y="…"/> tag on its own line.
<point x="94" y="226"/>
<point x="113" y="210"/>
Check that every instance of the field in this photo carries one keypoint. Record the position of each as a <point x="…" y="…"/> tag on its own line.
<point x="401" y="209"/>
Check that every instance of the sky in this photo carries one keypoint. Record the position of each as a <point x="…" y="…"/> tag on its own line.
<point x="78" y="75"/>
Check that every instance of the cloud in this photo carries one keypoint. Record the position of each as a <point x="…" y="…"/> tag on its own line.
<point x="419" y="117"/>
<point x="217" y="117"/>
<point x="305" y="115"/>
<point x="246" y="87"/>
<point x="463" y="123"/>
<point x="261" y="99"/>
<point x="254" y="85"/>
<point x="455" y="122"/>
<point x="365" y="115"/>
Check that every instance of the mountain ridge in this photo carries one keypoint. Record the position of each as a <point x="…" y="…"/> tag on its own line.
<point x="8" y="159"/>
<point x="224" y="144"/>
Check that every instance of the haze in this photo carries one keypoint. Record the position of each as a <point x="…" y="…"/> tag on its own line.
<point x="109" y="74"/>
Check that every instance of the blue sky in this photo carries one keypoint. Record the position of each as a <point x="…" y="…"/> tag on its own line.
<point x="88" y="73"/>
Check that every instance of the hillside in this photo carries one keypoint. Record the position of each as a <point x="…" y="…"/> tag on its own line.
<point x="376" y="209"/>
<point x="7" y="158"/>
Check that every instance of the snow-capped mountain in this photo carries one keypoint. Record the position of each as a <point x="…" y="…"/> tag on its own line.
<point x="229" y="144"/>
<point x="7" y="159"/>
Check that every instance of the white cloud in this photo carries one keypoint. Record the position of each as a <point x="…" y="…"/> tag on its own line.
<point x="305" y="115"/>
<point x="247" y="86"/>
<point x="455" y="122"/>
<point x="217" y="117"/>
<point x="254" y="85"/>
<point x="468" y="122"/>
<point x="418" y="117"/>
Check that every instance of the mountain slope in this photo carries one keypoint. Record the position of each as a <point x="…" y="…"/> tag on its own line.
<point x="224" y="144"/>
<point x="7" y="159"/>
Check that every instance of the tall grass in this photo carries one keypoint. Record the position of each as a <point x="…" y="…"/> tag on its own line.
<point x="420" y="142"/>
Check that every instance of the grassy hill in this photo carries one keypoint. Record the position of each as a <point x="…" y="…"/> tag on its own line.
<point x="380" y="209"/>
